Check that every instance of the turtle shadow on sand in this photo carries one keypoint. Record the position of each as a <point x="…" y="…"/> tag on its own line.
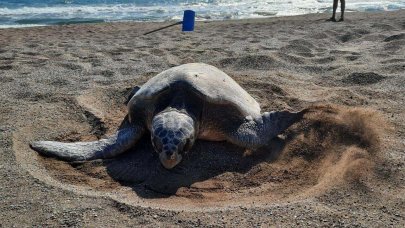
<point x="329" y="132"/>
<point x="140" y="169"/>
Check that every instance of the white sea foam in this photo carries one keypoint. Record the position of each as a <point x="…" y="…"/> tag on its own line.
<point x="21" y="26"/>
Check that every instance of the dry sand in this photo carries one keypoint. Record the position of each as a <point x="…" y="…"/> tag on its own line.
<point x="343" y="165"/>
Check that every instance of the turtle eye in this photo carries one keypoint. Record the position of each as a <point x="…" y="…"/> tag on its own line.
<point x="187" y="146"/>
<point x="157" y="145"/>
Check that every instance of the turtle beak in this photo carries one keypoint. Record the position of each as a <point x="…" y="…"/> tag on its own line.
<point x="171" y="161"/>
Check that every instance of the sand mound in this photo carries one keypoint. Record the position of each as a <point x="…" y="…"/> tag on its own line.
<point x="331" y="146"/>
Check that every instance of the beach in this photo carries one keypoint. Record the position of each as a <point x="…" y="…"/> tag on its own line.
<point x="343" y="165"/>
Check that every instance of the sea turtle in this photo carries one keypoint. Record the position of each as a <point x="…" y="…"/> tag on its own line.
<point x="179" y="105"/>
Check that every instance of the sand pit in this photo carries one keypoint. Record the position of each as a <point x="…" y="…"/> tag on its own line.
<point x="342" y="165"/>
<point x="332" y="145"/>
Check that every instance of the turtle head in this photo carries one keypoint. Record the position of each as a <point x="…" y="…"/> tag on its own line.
<point x="173" y="134"/>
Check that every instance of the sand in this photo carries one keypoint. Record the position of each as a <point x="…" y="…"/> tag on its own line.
<point x="342" y="165"/>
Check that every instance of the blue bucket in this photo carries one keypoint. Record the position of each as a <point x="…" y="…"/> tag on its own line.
<point x="188" y="21"/>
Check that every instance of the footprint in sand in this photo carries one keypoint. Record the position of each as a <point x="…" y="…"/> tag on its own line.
<point x="71" y="66"/>
<point x="395" y="43"/>
<point x="348" y="37"/>
<point x="5" y="79"/>
<point x="366" y="78"/>
<point x="291" y="59"/>
<point x="299" y="47"/>
<point x="94" y="60"/>
<point x="157" y="52"/>
<point x="6" y="67"/>
<point x="385" y="27"/>
<point x="393" y="66"/>
<point x="353" y="35"/>
<point x="395" y="46"/>
<point x="254" y="62"/>
<point x="395" y="37"/>
<point x="107" y="73"/>
<point x="319" y="35"/>
<point x="349" y="55"/>
<point x="127" y="70"/>
<point x="324" y="60"/>
<point x="119" y="51"/>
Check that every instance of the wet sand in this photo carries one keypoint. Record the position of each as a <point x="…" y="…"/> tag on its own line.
<point x="342" y="165"/>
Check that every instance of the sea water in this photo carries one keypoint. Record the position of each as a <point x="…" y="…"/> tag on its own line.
<point x="24" y="13"/>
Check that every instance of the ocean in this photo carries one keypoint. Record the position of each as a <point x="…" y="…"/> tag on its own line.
<point x="25" y="13"/>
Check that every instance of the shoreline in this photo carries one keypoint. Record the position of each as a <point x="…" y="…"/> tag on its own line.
<point x="32" y="12"/>
<point x="105" y="22"/>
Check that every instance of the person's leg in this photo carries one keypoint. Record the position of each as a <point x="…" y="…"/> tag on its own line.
<point x="335" y="5"/>
<point x="342" y="9"/>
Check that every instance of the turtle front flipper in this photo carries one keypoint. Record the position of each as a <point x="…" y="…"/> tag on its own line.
<point x="255" y="133"/>
<point x="114" y="145"/>
<point x="131" y="94"/>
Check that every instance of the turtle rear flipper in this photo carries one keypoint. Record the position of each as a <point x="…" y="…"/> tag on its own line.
<point x="255" y="133"/>
<point x="116" y="144"/>
<point x="277" y="122"/>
